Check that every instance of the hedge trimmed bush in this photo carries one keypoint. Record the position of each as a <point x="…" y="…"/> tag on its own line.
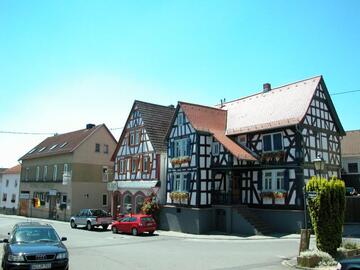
<point x="327" y="212"/>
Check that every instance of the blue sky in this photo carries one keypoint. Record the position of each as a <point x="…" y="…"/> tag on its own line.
<point x="67" y="63"/>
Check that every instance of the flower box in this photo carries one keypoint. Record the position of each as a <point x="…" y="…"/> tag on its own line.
<point x="308" y="261"/>
<point x="179" y="196"/>
<point x="279" y="194"/>
<point x="180" y="160"/>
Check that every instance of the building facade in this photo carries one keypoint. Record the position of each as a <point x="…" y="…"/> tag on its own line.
<point x="241" y="167"/>
<point x="9" y="191"/>
<point x="67" y="172"/>
<point x="350" y="146"/>
<point x="140" y="157"/>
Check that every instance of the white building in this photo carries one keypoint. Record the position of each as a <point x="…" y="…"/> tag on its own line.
<point x="9" y="190"/>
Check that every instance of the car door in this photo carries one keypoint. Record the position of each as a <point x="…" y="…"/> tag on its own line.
<point x="123" y="223"/>
<point x="133" y="223"/>
<point x="82" y="217"/>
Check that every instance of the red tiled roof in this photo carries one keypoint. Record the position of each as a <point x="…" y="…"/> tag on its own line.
<point x="13" y="170"/>
<point x="213" y="120"/>
<point x="69" y="142"/>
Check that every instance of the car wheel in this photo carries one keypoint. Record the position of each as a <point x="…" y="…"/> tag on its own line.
<point x="134" y="231"/>
<point x="151" y="232"/>
<point x="72" y="224"/>
<point x="89" y="226"/>
<point x="105" y="226"/>
<point x="114" y="230"/>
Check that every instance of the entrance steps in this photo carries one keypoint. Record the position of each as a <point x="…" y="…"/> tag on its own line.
<point x="260" y="227"/>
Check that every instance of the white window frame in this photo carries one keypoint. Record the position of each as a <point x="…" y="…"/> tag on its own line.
<point x="45" y="172"/>
<point x="37" y="175"/>
<point x="137" y="136"/>
<point x="105" y="173"/>
<point x="54" y="175"/>
<point x="272" y="142"/>
<point x="121" y="164"/>
<point x="180" y="182"/>
<point x="215" y="149"/>
<point x="180" y="147"/>
<point x="272" y="183"/>
<point x="146" y="160"/>
<point x="106" y="149"/>
<point x="133" y="165"/>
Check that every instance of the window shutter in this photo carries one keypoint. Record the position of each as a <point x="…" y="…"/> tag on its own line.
<point x="260" y="178"/>
<point x="188" y="181"/>
<point x="286" y="180"/>
<point x="171" y="149"/>
<point x="171" y="179"/>
<point x="188" y="147"/>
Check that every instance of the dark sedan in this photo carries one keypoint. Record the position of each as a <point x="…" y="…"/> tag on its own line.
<point x="349" y="264"/>
<point x="34" y="246"/>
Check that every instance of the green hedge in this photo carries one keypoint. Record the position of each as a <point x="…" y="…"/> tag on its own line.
<point x="327" y="212"/>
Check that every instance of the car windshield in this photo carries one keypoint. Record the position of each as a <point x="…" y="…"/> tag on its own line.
<point x="99" y="213"/>
<point x="31" y="235"/>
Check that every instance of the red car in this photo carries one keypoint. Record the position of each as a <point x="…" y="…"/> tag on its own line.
<point x="134" y="224"/>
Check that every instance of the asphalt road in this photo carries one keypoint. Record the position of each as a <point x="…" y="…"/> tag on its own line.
<point x="96" y="250"/>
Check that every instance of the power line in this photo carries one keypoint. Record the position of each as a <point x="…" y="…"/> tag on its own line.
<point x="345" y="92"/>
<point x="25" y="133"/>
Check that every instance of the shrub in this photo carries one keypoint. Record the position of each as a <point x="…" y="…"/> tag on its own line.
<point x="327" y="212"/>
<point x="349" y="245"/>
<point x="315" y="258"/>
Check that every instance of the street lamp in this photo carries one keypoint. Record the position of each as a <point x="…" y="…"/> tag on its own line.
<point x="319" y="164"/>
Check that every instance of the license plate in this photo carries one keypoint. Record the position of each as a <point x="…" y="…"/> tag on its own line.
<point x="41" y="266"/>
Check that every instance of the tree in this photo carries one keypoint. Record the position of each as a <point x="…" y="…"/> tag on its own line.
<point x="327" y="211"/>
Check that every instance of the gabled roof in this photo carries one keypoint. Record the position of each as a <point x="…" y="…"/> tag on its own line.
<point x="156" y="119"/>
<point x="212" y="120"/>
<point x="350" y="144"/>
<point x="62" y="143"/>
<point x="282" y="106"/>
<point x="13" y="170"/>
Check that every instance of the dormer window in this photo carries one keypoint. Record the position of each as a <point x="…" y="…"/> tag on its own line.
<point x="272" y="142"/>
<point x="53" y="147"/>
<point x="65" y="143"/>
<point x="32" y="150"/>
<point x="42" y="149"/>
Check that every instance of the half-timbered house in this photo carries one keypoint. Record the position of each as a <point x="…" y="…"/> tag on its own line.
<point x="241" y="167"/>
<point x="140" y="157"/>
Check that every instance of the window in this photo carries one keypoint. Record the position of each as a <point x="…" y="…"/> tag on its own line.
<point x="53" y="147"/>
<point x="134" y="165"/>
<point x="7" y="182"/>
<point x="272" y="142"/>
<point x="241" y="139"/>
<point x="65" y="143"/>
<point x="215" y="149"/>
<point x="55" y="173"/>
<point x="105" y="175"/>
<point x="37" y="173"/>
<point x="353" y="168"/>
<point x="27" y="172"/>
<point x="137" y="136"/>
<point x="127" y="203"/>
<point x="139" y="201"/>
<point x="66" y="169"/>
<point x="121" y="166"/>
<point x="182" y="147"/>
<point x="181" y="182"/>
<point x="4" y="198"/>
<point x="63" y="199"/>
<point x="16" y="183"/>
<point x="97" y="147"/>
<point x="180" y="119"/>
<point x="45" y="172"/>
<point x="146" y="164"/>
<point x="42" y="149"/>
<point x="273" y="180"/>
<point x="106" y="149"/>
<point x="13" y="198"/>
<point x="104" y="199"/>
<point x="32" y="151"/>
<point x="132" y="138"/>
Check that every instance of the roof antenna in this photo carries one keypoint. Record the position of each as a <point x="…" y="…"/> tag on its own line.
<point x="222" y="101"/>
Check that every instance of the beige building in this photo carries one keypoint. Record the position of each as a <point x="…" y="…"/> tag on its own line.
<point x="67" y="172"/>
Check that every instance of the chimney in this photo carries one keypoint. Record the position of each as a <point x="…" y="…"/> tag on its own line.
<point x="171" y="106"/>
<point x="266" y="87"/>
<point x="89" y="126"/>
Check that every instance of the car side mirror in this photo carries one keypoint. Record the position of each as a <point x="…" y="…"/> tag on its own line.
<point x="63" y="238"/>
